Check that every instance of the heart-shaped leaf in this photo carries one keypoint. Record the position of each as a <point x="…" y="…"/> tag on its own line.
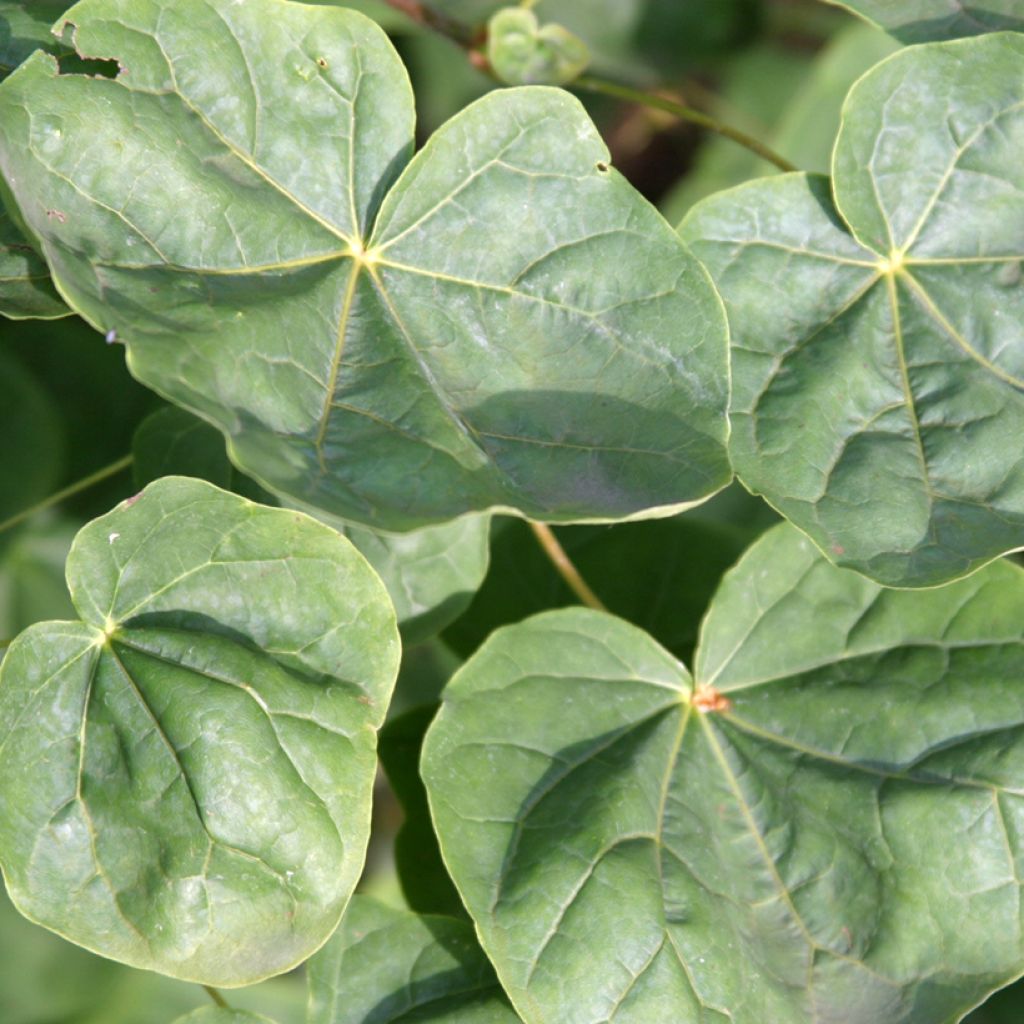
<point x="522" y="52"/>
<point x="387" y="965"/>
<point x="878" y="357"/>
<point x="825" y="825"/>
<point x="509" y="324"/>
<point x="915" y="21"/>
<point x="186" y="773"/>
<point x="431" y="574"/>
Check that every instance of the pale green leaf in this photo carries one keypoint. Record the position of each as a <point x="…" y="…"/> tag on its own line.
<point x="523" y="52"/>
<point x="32" y="586"/>
<point x="468" y="340"/>
<point x="220" y="1015"/>
<point x="914" y="21"/>
<point x="186" y="773"/>
<point x="824" y="825"/>
<point x="387" y="965"/>
<point x="878" y="362"/>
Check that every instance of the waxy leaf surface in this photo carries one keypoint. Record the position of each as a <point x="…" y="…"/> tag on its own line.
<point x="915" y="21"/>
<point x="186" y="772"/>
<point x="824" y="824"/>
<point x="386" y="965"/>
<point x="509" y="324"/>
<point x="878" y="348"/>
<point x="431" y="574"/>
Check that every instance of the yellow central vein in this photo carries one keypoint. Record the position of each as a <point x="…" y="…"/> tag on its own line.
<point x="897" y="327"/>
<point x="940" y="318"/>
<point x="339" y="351"/>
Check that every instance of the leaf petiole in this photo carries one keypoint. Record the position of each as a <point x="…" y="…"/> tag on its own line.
<point x="218" y="999"/>
<point x="566" y="569"/>
<point x="70" y="491"/>
<point x="624" y="92"/>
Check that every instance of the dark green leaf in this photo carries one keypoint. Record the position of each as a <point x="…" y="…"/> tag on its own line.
<point x="914" y="21"/>
<point x="422" y="874"/>
<point x="32" y="586"/>
<point x="471" y="339"/>
<point x="33" y="442"/>
<point x="659" y="575"/>
<point x="387" y="965"/>
<point x="25" y="27"/>
<point x="824" y="825"/>
<point x="878" y="370"/>
<point x="26" y="290"/>
<point x="186" y="773"/>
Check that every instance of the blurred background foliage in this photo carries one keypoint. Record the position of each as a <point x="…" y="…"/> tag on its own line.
<point x="776" y="69"/>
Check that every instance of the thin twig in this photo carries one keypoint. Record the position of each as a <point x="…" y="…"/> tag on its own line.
<point x="217" y="997"/>
<point x="68" y="492"/>
<point x="563" y="563"/>
<point x="472" y="41"/>
<point x="624" y="92"/>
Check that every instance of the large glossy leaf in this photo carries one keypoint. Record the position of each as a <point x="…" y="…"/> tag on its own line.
<point x="823" y="825"/>
<point x="914" y="21"/>
<point x="878" y="359"/>
<point x="186" y="772"/>
<point x="468" y="340"/>
<point x="387" y="965"/>
<point x="431" y="574"/>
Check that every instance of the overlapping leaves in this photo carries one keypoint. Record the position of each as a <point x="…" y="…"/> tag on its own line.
<point x="508" y="324"/>
<point x="186" y="772"/>
<point x="824" y="824"/>
<point x="878" y="355"/>
<point x="387" y="965"/>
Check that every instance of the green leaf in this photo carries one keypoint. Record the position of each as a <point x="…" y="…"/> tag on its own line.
<point x="426" y="886"/>
<point x="387" y="965"/>
<point x="172" y="442"/>
<point x="31" y="455"/>
<point x="26" y="289"/>
<point x="878" y="375"/>
<point x="823" y="825"/>
<point x="659" y="575"/>
<point x="430" y="574"/>
<point x="25" y="28"/>
<point x="32" y="586"/>
<point x="915" y="21"/>
<point x="468" y="340"/>
<point x="522" y="52"/>
<point x="219" y="1015"/>
<point x="186" y="773"/>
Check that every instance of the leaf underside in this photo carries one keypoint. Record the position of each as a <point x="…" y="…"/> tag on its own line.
<point x="823" y="826"/>
<point x="917" y="21"/>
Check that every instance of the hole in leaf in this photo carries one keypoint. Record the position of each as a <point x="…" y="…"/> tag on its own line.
<point x="321" y="63"/>
<point x="95" y="67"/>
